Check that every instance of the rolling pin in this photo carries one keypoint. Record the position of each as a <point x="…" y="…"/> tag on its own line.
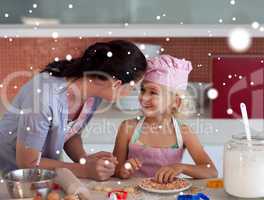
<point x="71" y="184"/>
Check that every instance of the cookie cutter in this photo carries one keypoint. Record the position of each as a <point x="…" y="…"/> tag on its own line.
<point x="198" y="196"/>
<point x="218" y="183"/>
<point x="117" y="195"/>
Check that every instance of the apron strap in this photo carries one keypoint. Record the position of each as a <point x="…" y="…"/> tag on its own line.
<point x="178" y="132"/>
<point x="137" y="131"/>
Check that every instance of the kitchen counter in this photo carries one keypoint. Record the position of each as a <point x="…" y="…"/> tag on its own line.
<point x="198" y="186"/>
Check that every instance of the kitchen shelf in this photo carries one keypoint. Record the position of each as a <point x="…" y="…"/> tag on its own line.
<point x="120" y="30"/>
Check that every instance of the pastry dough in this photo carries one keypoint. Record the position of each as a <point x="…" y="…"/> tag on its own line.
<point x="53" y="196"/>
<point x="99" y="188"/>
<point x="152" y="184"/>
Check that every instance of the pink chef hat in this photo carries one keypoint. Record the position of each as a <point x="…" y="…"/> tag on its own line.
<point x="169" y="71"/>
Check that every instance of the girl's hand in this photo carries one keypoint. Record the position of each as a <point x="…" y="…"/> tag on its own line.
<point x="130" y="167"/>
<point x="168" y="174"/>
<point x="100" y="169"/>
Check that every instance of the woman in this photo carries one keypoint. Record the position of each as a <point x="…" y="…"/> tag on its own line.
<point x="50" y="110"/>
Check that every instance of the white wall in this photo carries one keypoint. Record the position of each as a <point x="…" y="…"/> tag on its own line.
<point x="137" y="11"/>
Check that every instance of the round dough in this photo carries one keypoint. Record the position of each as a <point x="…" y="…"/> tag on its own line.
<point x="107" y="189"/>
<point x="53" y="196"/>
<point x="98" y="188"/>
<point x="129" y="189"/>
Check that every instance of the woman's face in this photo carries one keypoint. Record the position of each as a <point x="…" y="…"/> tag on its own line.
<point x="155" y="99"/>
<point x="110" y="90"/>
<point x="116" y="90"/>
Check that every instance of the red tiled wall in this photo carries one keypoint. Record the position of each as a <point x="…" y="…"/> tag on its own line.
<point x="23" y="53"/>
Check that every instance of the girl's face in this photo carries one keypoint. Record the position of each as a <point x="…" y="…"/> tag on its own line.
<point x="156" y="99"/>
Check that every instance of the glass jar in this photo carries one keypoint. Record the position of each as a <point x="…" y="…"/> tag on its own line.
<point x="244" y="167"/>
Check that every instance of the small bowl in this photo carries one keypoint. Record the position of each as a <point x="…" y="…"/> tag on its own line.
<point x="26" y="183"/>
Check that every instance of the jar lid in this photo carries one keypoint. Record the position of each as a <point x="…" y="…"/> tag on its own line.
<point x="256" y="139"/>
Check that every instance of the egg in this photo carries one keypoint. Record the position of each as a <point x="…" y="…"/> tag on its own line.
<point x="53" y="196"/>
<point x="37" y="197"/>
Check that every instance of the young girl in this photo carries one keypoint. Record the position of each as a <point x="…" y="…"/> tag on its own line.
<point x="153" y="145"/>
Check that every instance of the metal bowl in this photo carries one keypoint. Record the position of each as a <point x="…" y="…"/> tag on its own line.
<point x="26" y="183"/>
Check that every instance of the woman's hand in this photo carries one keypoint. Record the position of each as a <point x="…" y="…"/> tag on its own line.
<point x="102" y="155"/>
<point x="168" y="173"/>
<point x="100" y="166"/>
<point x="129" y="168"/>
<point x="100" y="169"/>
